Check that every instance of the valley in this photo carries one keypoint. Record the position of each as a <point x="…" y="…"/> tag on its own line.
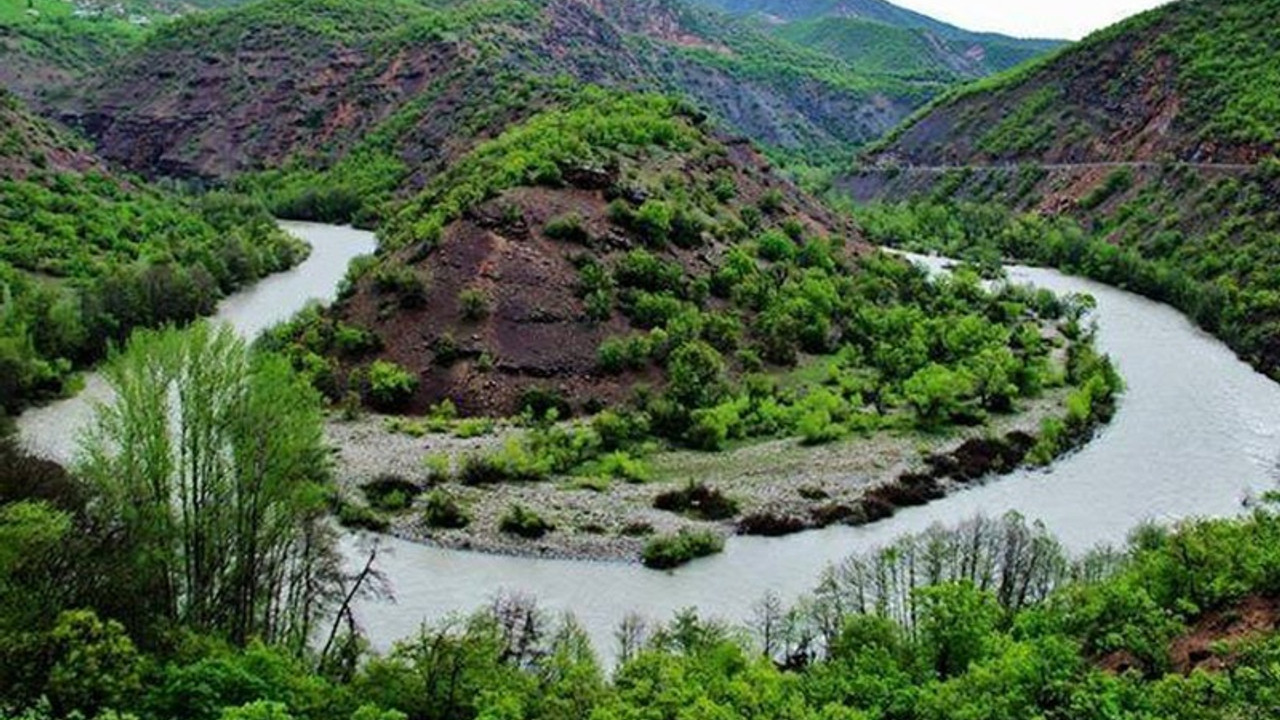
<point x="479" y="359"/>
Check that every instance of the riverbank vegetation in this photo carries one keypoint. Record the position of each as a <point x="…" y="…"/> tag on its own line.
<point x="988" y="619"/>
<point x="87" y="257"/>
<point x="687" y="298"/>
<point x="1202" y="247"/>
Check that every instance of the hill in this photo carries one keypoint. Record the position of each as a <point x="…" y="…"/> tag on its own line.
<point x="217" y="93"/>
<point x="1188" y="81"/>
<point x="1151" y="149"/>
<point x="89" y="255"/>
<point x="880" y="36"/>
<point x="603" y="219"/>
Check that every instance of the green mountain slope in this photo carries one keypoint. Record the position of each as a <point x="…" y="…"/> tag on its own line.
<point x="1152" y="142"/>
<point x="876" y="35"/>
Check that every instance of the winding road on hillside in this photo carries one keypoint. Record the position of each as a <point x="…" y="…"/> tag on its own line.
<point x="1015" y="167"/>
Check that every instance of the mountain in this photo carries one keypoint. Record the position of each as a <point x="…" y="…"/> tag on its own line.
<point x="1190" y="81"/>
<point x="214" y="94"/>
<point x="1156" y="138"/>
<point x="871" y="34"/>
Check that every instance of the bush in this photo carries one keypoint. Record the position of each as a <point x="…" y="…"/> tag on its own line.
<point x="391" y="387"/>
<point x="568" y="228"/>
<point x="669" y="551"/>
<point x="359" y="517"/>
<point x="401" y="281"/>
<point x="473" y="304"/>
<point x="524" y="523"/>
<point x="623" y="466"/>
<point x="390" y="493"/>
<point x="474" y="428"/>
<point x="699" y="501"/>
<point x="545" y="404"/>
<point x="620" y="354"/>
<point x="444" y="512"/>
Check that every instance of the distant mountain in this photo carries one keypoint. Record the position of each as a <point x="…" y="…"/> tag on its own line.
<point x="871" y="34"/>
<point x="1190" y="81"/>
<point x="216" y="93"/>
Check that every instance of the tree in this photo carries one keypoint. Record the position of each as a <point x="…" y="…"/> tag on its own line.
<point x="697" y="373"/>
<point x="211" y="464"/>
<point x="957" y="623"/>
<point x="936" y="393"/>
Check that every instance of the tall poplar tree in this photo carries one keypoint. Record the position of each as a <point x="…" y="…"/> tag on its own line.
<point x="213" y="473"/>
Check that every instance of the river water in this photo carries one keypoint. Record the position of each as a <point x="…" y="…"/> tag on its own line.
<point x="1197" y="432"/>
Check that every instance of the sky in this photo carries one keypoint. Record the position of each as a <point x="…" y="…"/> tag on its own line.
<point x="1031" y="18"/>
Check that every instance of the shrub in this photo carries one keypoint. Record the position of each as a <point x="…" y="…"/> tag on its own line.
<point x="623" y="466"/>
<point x="568" y="228"/>
<point x="513" y="463"/>
<point x="444" y="512"/>
<point x="541" y="402"/>
<point x="473" y="304"/>
<point x="390" y="386"/>
<point x="697" y="375"/>
<point x="669" y="551"/>
<point x="359" y="517"/>
<point x="402" y="282"/>
<point x="774" y="246"/>
<point x="473" y="428"/>
<point x="770" y="202"/>
<point x="390" y="493"/>
<point x="642" y="270"/>
<point x="698" y="501"/>
<point x="653" y="222"/>
<point x="524" y="523"/>
<point x="353" y="341"/>
<point x="618" y="354"/>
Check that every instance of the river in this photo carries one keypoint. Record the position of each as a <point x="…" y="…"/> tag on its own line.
<point x="1197" y="432"/>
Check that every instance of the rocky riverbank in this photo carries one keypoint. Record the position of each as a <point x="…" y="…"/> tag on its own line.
<point x="769" y="488"/>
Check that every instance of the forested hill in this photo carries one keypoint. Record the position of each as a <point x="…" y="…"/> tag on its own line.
<point x="876" y="34"/>
<point x="1191" y="81"/>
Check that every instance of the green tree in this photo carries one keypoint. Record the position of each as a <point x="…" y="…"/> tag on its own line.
<point x="937" y="393"/>
<point x="697" y="374"/>
<point x="210" y="461"/>
<point x="957" y="622"/>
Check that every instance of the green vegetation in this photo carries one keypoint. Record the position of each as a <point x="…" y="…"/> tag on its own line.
<point x="443" y="511"/>
<point x="1203" y="247"/>
<point x="390" y="386"/>
<point x="525" y="523"/>
<point x="107" y="595"/>
<point x="87" y="258"/>
<point x="668" y="551"/>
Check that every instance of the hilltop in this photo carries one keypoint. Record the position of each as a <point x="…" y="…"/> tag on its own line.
<point x="878" y="36"/>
